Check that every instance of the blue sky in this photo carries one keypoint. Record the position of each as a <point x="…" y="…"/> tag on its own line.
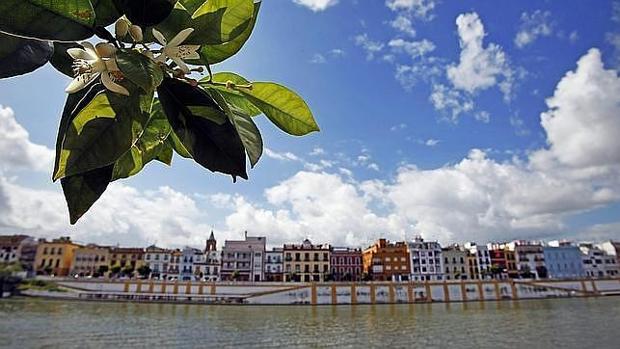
<point x="430" y="114"/>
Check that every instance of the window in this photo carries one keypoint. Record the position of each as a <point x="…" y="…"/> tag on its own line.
<point x="45" y="250"/>
<point x="52" y="250"/>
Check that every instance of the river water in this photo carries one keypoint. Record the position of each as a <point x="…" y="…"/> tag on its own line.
<point x="569" y="323"/>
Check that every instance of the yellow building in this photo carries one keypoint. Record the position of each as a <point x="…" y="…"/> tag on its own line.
<point x="91" y="260"/>
<point x="55" y="257"/>
<point x="306" y="262"/>
<point x="126" y="258"/>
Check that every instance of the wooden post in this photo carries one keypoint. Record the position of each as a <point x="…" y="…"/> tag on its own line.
<point x="313" y="295"/>
<point x="163" y="287"/>
<point x="151" y="287"/>
<point x="334" y="295"/>
<point x="515" y="291"/>
<point x="212" y="291"/>
<point x="188" y="288"/>
<point x="446" y="292"/>
<point x="392" y="293"/>
<point x="463" y="291"/>
<point x="498" y="295"/>
<point x="480" y="290"/>
<point x="410" y="294"/>
<point x="201" y="288"/>
<point x="429" y="296"/>
<point x="584" y="288"/>
<point x="373" y="295"/>
<point x="175" y="289"/>
<point x="138" y="286"/>
<point x="594" y="288"/>
<point x="126" y="288"/>
<point x="353" y="294"/>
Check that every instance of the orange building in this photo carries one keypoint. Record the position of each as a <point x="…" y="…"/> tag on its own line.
<point x="387" y="261"/>
<point x="55" y="257"/>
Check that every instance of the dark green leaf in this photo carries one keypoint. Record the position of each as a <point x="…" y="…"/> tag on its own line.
<point x="145" y="12"/>
<point x="175" y="143"/>
<point x="282" y="106"/>
<point x="20" y="56"/>
<point x="61" y="59"/>
<point x="246" y="128"/>
<point x="139" y="69"/>
<point x="48" y="20"/>
<point x="165" y="155"/>
<point x="102" y="132"/>
<point x="106" y="12"/>
<point x="216" y="147"/>
<point x="82" y="190"/>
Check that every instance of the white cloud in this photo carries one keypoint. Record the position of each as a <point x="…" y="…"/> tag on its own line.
<point x="615" y="11"/>
<point x="403" y="24"/>
<point x="317" y="151"/>
<point x="318" y="59"/>
<point x="431" y="142"/>
<point x="316" y="5"/>
<point x="450" y="100"/>
<point x="398" y="127"/>
<point x="421" y="9"/>
<point x="479" y="67"/>
<point x="532" y="27"/>
<point x="285" y="156"/>
<point x="414" y="49"/>
<point x="16" y="149"/>
<point x="371" y="47"/>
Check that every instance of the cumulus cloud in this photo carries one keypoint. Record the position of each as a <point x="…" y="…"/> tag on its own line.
<point x="450" y="100"/>
<point x="479" y="67"/>
<point x="533" y="26"/>
<point x="16" y="150"/>
<point x="422" y="9"/>
<point x="371" y="47"/>
<point x="316" y="5"/>
<point x="414" y="49"/>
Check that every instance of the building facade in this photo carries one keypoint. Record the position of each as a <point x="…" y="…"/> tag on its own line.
<point x="192" y="264"/>
<point x="563" y="260"/>
<point x="386" y="261"/>
<point x="126" y="260"/>
<point x="55" y="257"/>
<point x="530" y="259"/>
<point x="426" y="263"/>
<point x="483" y="262"/>
<point x="243" y="260"/>
<point x="596" y="262"/>
<point x="20" y="249"/>
<point x="91" y="260"/>
<point x="455" y="263"/>
<point x="346" y="264"/>
<point x="306" y="262"/>
<point x="157" y="259"/>
<point x="212" y="260"/>
<point x="274" y="264"/>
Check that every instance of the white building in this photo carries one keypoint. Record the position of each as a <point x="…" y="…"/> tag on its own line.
<point x="157" y="259"/>
<point x="274" y="264"/>
<point x="192" y="264"/>
<point x="242" y="260"/>
<point x="597" y="263"/>
<point x="426" y="263"/>
<point x="213" y="260"/>
<point x="481" y="252"/>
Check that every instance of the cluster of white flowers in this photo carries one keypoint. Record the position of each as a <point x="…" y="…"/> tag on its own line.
<point x="93" y="61"/>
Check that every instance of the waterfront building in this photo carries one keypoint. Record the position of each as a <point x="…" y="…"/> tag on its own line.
<point x="306" y="262"/>
<point x="192" y="264"/>
<point x="530" y="259"/>
<point x="243" y="260"/>
<point x="482" y="263"/>
<point x="426" y="263"/>
<point x="596" y="262"/>
<point x="54" y="257"/>
<point x="90" y="260"/>
<point x="213" y="260"/>
<point x="274" y="264"/>
<point x="503" y="261"/>
<point x="20" y="249"/>
<point x="455" y="263"/>
<point x="346" y="264"/>
<point x="612" y="248"/>
<point x="174" y="265"/>
<point x="387" y="261"/>
<point x="563" y="260"/>
<point x="126" y="260"/>
<point x="157" y="259"/>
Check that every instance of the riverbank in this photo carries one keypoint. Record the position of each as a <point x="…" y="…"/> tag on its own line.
<point x="327" y="293"/>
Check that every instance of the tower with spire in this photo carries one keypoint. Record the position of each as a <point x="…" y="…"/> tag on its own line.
<point x="211" y="243"/>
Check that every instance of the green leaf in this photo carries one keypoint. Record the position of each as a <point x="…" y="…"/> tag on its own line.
<point x="61" y="59"/>
<point x="217" y="53"/>
<point x="148" y="147"/>
<point x="102" y="132"/>
<point x="176" y="144"/>
<point x="48" y="19"/>
<point x="106" y="12"/>
<point x="146" y="12"/>
<point x="209" y="113"/>
<point x="20" y="56"/>
<point x="216" y="147"/>
<point x="83" y="190"/>
<point x="165" y="155"/>
<point x="282" y="106"/>
<point x="191" y="5"/>
<point x="246" y="128"/>
<point x="139" y="69"/>
<point x="214" y="23"/>
<point x="234" y="97"/>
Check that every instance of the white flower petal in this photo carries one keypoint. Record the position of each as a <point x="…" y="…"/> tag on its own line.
<point x="78" y="53"/>
<point x="160" y="37"/>
<point x="193" y="55"/>
<point x="113" y="86"/>
<point x="180" y="37"/>
<point x="80" y="82"/>
<point x="90" y="49"/>
<point x="181" y="64"/>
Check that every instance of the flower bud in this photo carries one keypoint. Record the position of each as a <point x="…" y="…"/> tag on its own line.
<point x="136" y="33"/>
<point x="105" y="50"/>
<point x="121" y="27"/>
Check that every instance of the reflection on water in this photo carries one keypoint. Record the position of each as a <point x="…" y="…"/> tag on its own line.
<point x="588" y="322"/>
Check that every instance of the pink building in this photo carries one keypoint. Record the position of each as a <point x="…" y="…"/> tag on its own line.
<point x="346" y="264"/>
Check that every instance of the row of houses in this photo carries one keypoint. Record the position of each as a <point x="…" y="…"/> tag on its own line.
<point x="250" y="260"/>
